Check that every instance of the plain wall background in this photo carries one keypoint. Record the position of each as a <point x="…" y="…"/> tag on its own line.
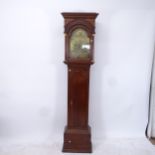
<point x="33" y="78"/>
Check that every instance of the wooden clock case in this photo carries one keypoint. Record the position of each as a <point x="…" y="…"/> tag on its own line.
<point x="77" y="135"/>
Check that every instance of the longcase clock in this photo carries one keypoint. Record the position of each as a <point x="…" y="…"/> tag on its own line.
<point x="79" y="55"/>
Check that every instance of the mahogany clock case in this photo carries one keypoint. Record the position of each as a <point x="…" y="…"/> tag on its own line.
<point x="79" y="55"/>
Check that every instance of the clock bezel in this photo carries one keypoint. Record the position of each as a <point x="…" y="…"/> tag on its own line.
<point x="68" y="37"/>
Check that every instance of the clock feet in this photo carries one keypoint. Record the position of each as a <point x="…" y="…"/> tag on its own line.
<point x="77" y="141"/>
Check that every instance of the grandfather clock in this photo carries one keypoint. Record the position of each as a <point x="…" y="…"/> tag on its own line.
<point x="79" y="55"/>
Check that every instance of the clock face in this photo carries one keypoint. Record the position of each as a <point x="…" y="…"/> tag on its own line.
<point x="79" y="46"/>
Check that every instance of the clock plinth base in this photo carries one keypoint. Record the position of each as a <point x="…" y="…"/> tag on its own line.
<point x="77" y="140"/>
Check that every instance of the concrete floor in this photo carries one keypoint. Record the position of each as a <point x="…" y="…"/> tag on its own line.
<point x="139" y="146"/>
